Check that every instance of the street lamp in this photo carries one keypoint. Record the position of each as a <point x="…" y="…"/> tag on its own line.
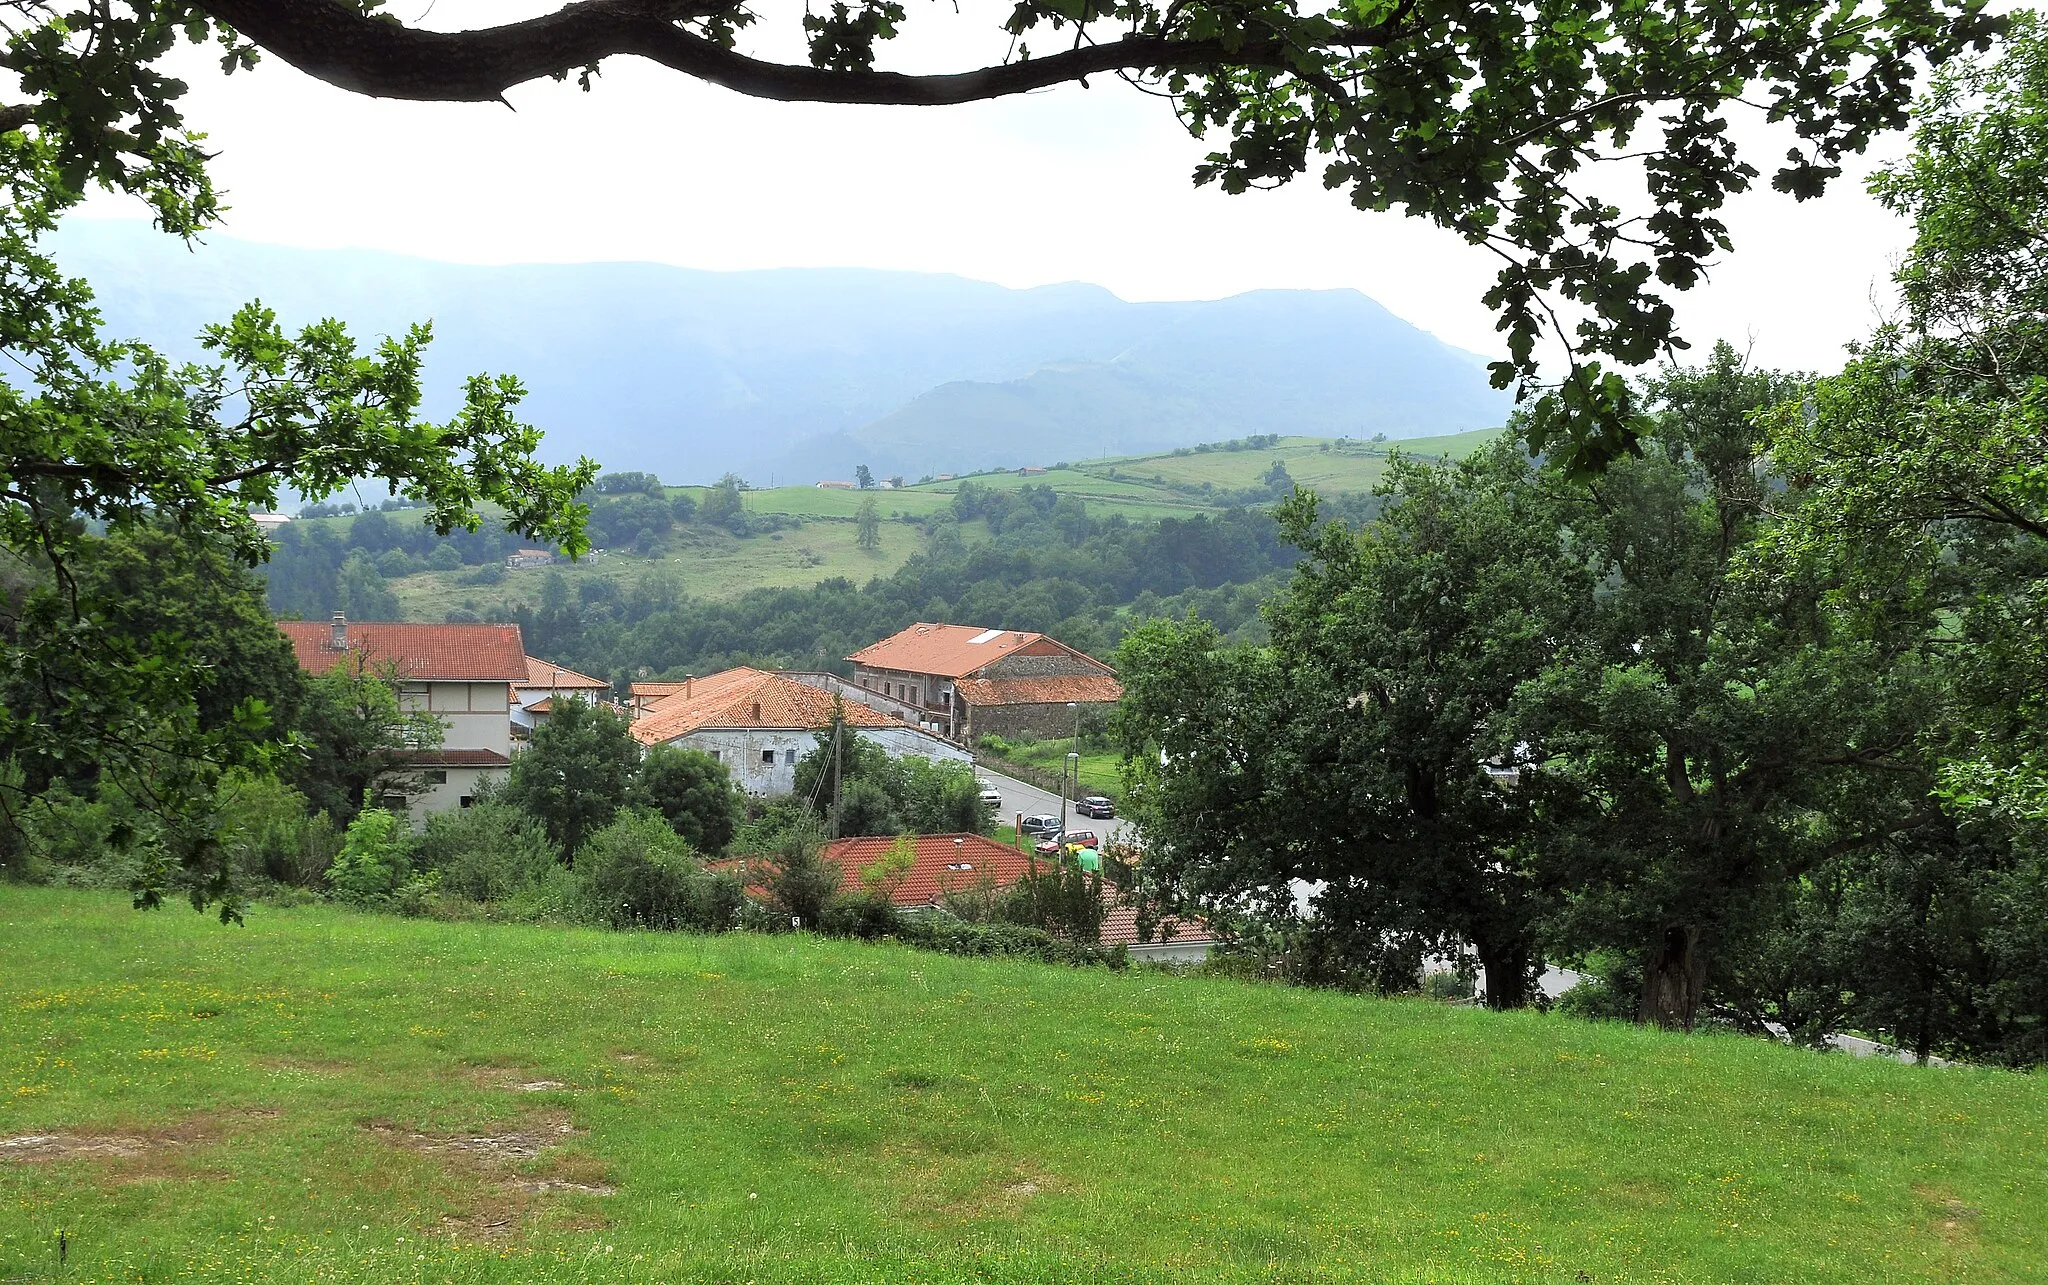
<point x="1072" y="767"/>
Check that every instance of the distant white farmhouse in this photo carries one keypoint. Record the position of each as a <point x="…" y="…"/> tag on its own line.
<point x="529" y="558"/>
<point x="461" y="673"/>
<point x="759" y="724"/>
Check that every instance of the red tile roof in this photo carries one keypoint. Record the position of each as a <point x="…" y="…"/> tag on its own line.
<point x="940" y="864"/>
<point x="748" y="698"/>
<point x="654" y="691"/>
<point x="946" y="650"/>
<point x="457" y="758"/>
<point x="434" y="653"/>
<point x="539" y="673"/>
<point x="1120" y="927"/>
<point x="1082" y="689"/>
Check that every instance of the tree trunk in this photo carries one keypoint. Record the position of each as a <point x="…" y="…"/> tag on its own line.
<point x="1506" y="965"/>
<point x="1674" y="979"/>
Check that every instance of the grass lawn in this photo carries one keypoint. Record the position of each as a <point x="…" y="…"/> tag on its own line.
<point x="326" y="1096"/>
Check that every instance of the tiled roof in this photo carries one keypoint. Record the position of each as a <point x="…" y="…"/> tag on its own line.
<point x="540" y="673"/>
<point x="653" y="691"/>
<point x="444" y="653"/>
<point x="1083" y="689"/>
<point x="748" y="698"/>
<point x="946" y="650"/>
<point x="933" y="871"/>
<point x="458" y="758"/>
<point x="1120" y="927"/>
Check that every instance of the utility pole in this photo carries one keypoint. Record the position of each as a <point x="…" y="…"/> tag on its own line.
<point x="837" y="754"/>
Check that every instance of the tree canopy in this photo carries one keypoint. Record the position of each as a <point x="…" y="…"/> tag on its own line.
<point x="1495" y="122"/>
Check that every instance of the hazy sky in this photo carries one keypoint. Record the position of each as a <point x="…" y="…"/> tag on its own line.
<point x="1069" y="184"/>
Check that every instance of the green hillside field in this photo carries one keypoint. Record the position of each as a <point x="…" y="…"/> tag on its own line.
<point x="328" y="1096"/>
<point x="1326" y="464"/>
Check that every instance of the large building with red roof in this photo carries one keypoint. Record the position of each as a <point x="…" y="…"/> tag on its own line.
<point x="973" y="682"/>
<point x="759" y="724"/>
<point x="461" y="673"/>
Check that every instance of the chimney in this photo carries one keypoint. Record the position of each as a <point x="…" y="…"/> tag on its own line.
<point x="340" y="641"/>
<point x="757" y="711"/>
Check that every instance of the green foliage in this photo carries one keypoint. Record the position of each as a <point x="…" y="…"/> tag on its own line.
<point x="489" y="851"/>
<point x="803" y="881"/>
<point x="110" y="438"/>
<point x="264" y="830"/>
<point x="375" y="858"/>
<point x="693" y="791"/>
<point x="1060" y="898"/>
<point x="636" y="872"/>
<point x="356" y="742"/>
<point x="881" y="794"/>
<point x="868" y="522"/>
<point x="576" y="773"/>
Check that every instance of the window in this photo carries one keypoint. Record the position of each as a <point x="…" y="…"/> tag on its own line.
<point x="716" y="755"/>
<point x="789" y="758"/>
<point x="767" y="758"/>
<point x="435" y="776"/>
<point x="391" y="802"/>
<point x="863" y="682"/>
<point x="466" y="800"/>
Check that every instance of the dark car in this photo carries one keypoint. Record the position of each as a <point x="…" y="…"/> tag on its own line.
<point x="1096" y="806"/>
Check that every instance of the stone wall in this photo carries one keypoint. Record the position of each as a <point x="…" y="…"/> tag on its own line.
<point x="1059" y="665"/>
<point x="1053" y="719"/>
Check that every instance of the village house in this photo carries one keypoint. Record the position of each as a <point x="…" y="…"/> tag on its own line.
<point x="534" y="699"/>
<point x="972" y="682"/>
<point x="945" y="865"/>
<point x="463" y="674"/>
<point x="759" y="724"/>
<point x="529" y="558"/>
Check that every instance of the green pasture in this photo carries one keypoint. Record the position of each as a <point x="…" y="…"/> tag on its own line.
<point x="1321" y="463"/>
<point x="327" y="1096"/>
<point x="703" y="562"/>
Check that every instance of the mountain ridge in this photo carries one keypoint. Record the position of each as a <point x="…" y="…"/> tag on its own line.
<point x="690" y="373"/>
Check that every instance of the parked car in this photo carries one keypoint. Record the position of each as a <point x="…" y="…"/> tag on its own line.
<point x="1053" y="845"/>
<point x="1042" y="824"/>
<point x="991" y="797"/>
<point x="1096" y="806"/>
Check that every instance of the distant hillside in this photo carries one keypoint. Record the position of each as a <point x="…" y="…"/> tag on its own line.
<point x="796" y="374"/>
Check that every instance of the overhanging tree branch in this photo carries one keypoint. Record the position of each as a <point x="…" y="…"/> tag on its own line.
<point x="349" y="49"/>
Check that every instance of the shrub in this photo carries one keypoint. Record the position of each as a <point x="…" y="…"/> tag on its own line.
<point x="487" y="852"/>
<point x="638" y="873"/>
<point x="263" y="826"/>
<point x="804" y="880"/>
<point x="866" y="915"/>
<point x="374" y="860"/>
<point x="1447" y="985"/>
<point x="944" y="933"/>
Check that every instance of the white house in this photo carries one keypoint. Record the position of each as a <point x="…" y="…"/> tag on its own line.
<point x="534" y="699"/>
<point x="759" y="724"/>
<point x="461" y="673"/>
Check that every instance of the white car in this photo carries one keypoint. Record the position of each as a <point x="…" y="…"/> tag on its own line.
<point x="991" y="797"/>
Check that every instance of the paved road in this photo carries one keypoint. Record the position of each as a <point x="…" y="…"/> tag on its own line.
<point x="1019" y="797"/>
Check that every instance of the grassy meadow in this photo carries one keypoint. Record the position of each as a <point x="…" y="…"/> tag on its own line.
<point x="328" y="1096"/>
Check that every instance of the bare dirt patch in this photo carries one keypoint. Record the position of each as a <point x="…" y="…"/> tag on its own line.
<point x="128" y="1143"/>
<point x="1953" y="1220"/>
<point x="516" y="1079"/>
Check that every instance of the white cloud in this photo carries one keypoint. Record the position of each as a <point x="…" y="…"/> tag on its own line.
<point x="1070" y="184"/>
